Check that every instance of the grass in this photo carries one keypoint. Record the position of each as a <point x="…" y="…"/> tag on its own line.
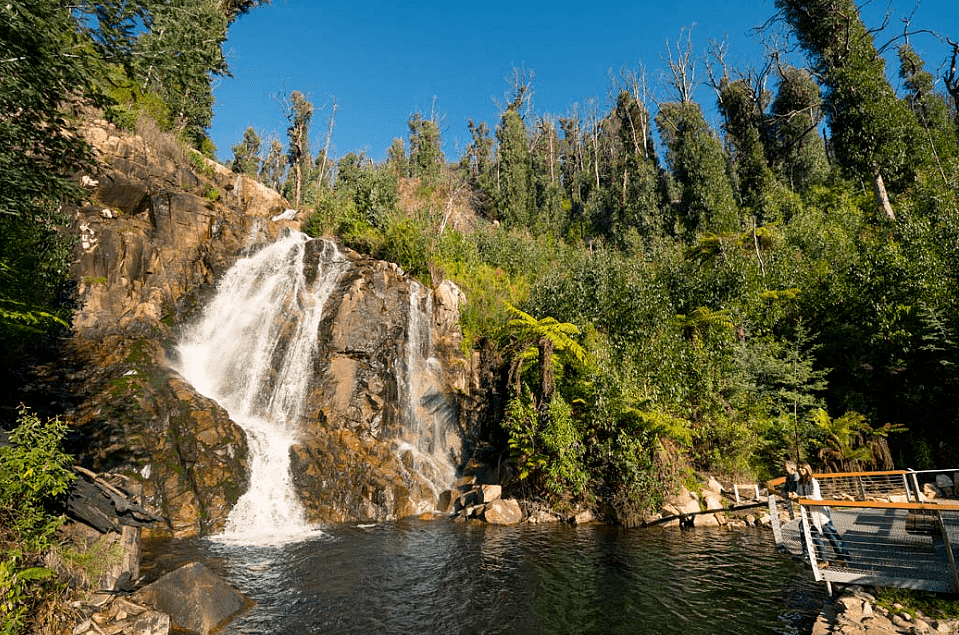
<point x="933" y="605"/>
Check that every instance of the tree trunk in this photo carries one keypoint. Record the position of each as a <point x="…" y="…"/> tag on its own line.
<point x="546" y="381"/>
<point x="882" y="198"/>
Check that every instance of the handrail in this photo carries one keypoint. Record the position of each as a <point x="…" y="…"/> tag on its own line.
<point x="809" y="502"/>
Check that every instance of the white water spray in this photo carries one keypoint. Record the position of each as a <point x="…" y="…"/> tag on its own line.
<point x="426" y="407"/>
<point x="252" y="352"/>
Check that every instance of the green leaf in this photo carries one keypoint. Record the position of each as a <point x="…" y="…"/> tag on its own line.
<point x="35" y="573"/>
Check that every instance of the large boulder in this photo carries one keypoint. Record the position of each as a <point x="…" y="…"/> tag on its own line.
<point x="503" y="511"/>
<point x="194" y="597"/>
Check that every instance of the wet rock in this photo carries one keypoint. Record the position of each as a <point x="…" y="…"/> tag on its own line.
<point x="583" y="518"/>
<point x="194" y="597"/>
<point x="123" y="616"/>
<point x="503" y="511"/>
<point x="543" y="516"/>
<point x="489" y="493"/>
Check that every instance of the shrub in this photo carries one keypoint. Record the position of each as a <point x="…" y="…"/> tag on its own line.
<point x="33" y="471"/>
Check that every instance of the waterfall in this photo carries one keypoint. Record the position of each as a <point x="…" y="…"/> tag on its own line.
<point x="425" y="433"/>
<point x="252" y="351"/>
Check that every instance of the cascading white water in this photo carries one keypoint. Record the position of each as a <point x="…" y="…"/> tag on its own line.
<point x="426" y="408"/>
<point x="252" y="352"/>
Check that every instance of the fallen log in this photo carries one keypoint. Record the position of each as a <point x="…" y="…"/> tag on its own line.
<point x="103" y="506"/>
<point x="684" y="517"/>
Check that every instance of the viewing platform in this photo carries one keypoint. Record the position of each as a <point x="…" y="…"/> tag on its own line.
<point x="899" y="527"/>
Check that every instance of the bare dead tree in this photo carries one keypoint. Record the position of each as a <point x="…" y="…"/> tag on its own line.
<point x="952" y="77"/>
<point x="682" y="67"/>
<point x="635" y="82"/>
<point x="321" y="176"/>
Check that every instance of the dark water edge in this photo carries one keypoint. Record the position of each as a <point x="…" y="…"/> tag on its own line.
<point x="437" y="576"/>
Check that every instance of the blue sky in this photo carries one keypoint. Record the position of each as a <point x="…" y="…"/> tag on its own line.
<point x="384" y="61"/>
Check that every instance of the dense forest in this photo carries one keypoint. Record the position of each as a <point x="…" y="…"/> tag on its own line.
<point x="664" y="297"/>
<point x="667" y="297"/>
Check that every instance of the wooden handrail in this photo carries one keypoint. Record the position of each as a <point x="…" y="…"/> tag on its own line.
<point x="809" y="502"/>
<point x="776" y="483"/>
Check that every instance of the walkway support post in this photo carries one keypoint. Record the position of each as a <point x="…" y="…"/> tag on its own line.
<point x="774" y="520"/>
<point x="949" y="554"/>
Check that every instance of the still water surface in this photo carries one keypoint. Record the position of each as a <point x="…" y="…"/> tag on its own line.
<point x="442" y="577"/>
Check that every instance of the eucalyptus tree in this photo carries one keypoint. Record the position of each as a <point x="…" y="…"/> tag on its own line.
<point x="478" y="157"/>
<point x="874" y="133"/>
<point x="796" y="148"/>
<point x="514" y="170"/>
<point x="572" y="166"/>
<point x="233" y="9"/>
<point x="742" y="104"/>
<point x="696" y="158"/>
<point x="396" y="160"/>
<point x="926" y="102"/>
<point x="546" y="176"/>
<point x="246" y="154"/>
<point x="930" y="108"/>
<point x="176" y="55"/>
<point x="45" y="67"/>
<point x="298" y="111"/>
<point x="426" y="148"/>
<point x="273" y="168"/>
<point x="951" y="79"/>
<point x="640" y="192"/>
<point x="694" y="153"/>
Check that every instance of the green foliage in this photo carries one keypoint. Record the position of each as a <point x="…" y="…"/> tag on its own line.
<point x="298" y="111"/>
<point x="521" y="423"/>
<point x="850" y="444"/>
<point x="200" y="165"/>
<point x="698" y="163"/>
<point x="796" y="149"/>
<point x="373" y="189"/>
<point x="194" y="31"/>
<point x="44" y="61"/>
<point x="514" y="194"/>
<point x="426" y="149"/>
<point x="246" y="154"/>
<point x="33" y="472"/>
<point x="873" y="131"/>
<point x="549" y="451"/>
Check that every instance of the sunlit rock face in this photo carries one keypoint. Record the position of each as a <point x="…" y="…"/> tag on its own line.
<point x="384" y="434"/>
<point x="382" y="427"/>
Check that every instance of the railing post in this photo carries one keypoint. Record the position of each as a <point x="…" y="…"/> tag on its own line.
<point x="862" y="488"/>
<point x="915" y="483"/>
<point x="774" y="520"/>
<point x="905" y="482"/>
<point x="805" y="519"/>
<point x="949" y="554"/>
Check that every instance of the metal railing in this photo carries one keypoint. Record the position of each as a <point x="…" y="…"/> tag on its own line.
<point x="883" y="536"/>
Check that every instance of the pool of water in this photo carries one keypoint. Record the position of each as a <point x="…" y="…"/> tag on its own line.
<point x="442" y="577"/>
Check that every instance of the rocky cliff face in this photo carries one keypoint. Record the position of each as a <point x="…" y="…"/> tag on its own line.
<point x="157" y="232"/>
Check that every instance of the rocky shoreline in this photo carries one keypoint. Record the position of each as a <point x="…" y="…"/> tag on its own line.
<point x="854" y="611"/>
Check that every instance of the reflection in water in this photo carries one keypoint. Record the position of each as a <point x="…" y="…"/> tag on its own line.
<point x="440" y="577"/>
